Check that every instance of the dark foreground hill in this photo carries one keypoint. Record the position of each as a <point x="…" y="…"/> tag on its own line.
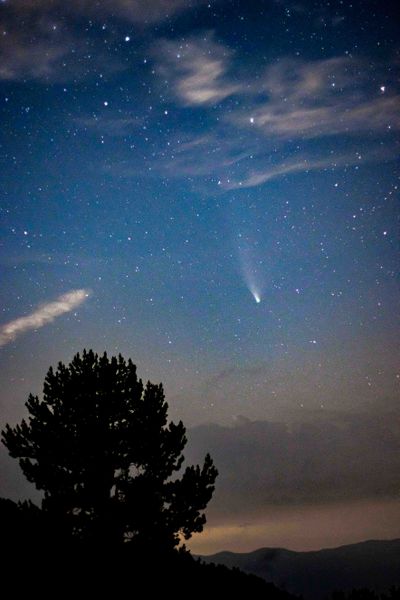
<point x="88" y="573"/>
<point x="315" y="575"/>
<point x="38" y="561"/>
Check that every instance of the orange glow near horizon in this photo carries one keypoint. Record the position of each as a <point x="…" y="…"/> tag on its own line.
<point x="302" y="528"/>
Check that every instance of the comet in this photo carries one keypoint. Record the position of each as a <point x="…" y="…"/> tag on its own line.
<point x="251" y="272"/>
<point x="255" y="293"/>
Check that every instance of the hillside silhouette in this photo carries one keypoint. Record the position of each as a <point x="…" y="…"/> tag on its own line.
<point x="37" y="559"/>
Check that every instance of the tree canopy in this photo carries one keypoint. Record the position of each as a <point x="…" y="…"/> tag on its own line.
<point x="110" y="465"/>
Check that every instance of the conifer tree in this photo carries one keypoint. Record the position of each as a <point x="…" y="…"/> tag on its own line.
<point x="109" y="464"/>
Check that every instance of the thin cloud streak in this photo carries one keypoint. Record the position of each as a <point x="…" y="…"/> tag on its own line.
<point x="333" y="119"/>
<point x="46" y="313"/>
<point x="307" y="164"/>
<point x="111" y="125"/>
<point x="274" y="172"/>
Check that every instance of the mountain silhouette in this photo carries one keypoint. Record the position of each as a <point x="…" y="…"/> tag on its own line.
<point x="372" y="564"/>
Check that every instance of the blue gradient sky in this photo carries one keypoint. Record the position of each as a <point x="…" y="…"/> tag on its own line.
<point x="177" y="164"/>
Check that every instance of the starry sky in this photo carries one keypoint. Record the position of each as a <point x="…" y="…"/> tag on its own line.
<point x="211" y="189"/>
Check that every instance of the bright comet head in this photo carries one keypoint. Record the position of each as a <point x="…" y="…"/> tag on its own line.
<point x="255" y="293"/>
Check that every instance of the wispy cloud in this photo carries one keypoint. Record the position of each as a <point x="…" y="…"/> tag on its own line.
<point x="47" y="49"/>
<point x="294" y="165"/>
<point x="306" y="164"/>
<point x="32" y="57"/>
<point x="293" y="104"/>
<point x="321" y="98"/>
<point x="273" y="172"/>
<point x="208" y="156"/>
<point x="198" y="69"/>
<point x="40" y="40"/>
<point x="135" y="11"/>
<point x="113" y="125"/>
<point x="46" y="313"/>
<point x="290" y="117"/>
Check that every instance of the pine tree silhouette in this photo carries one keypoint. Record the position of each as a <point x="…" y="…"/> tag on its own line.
<point x="101" y="449"/>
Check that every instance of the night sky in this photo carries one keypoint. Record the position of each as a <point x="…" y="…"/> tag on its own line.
<point x="211" y="189"/>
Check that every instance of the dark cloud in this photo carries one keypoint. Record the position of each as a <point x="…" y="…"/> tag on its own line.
<point x="263" y="463"/>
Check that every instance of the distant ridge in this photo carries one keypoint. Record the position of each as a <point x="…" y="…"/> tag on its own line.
<point x="373" y="564"/>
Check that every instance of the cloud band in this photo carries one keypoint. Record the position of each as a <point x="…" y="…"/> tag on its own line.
<point x="46" y="313"/>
